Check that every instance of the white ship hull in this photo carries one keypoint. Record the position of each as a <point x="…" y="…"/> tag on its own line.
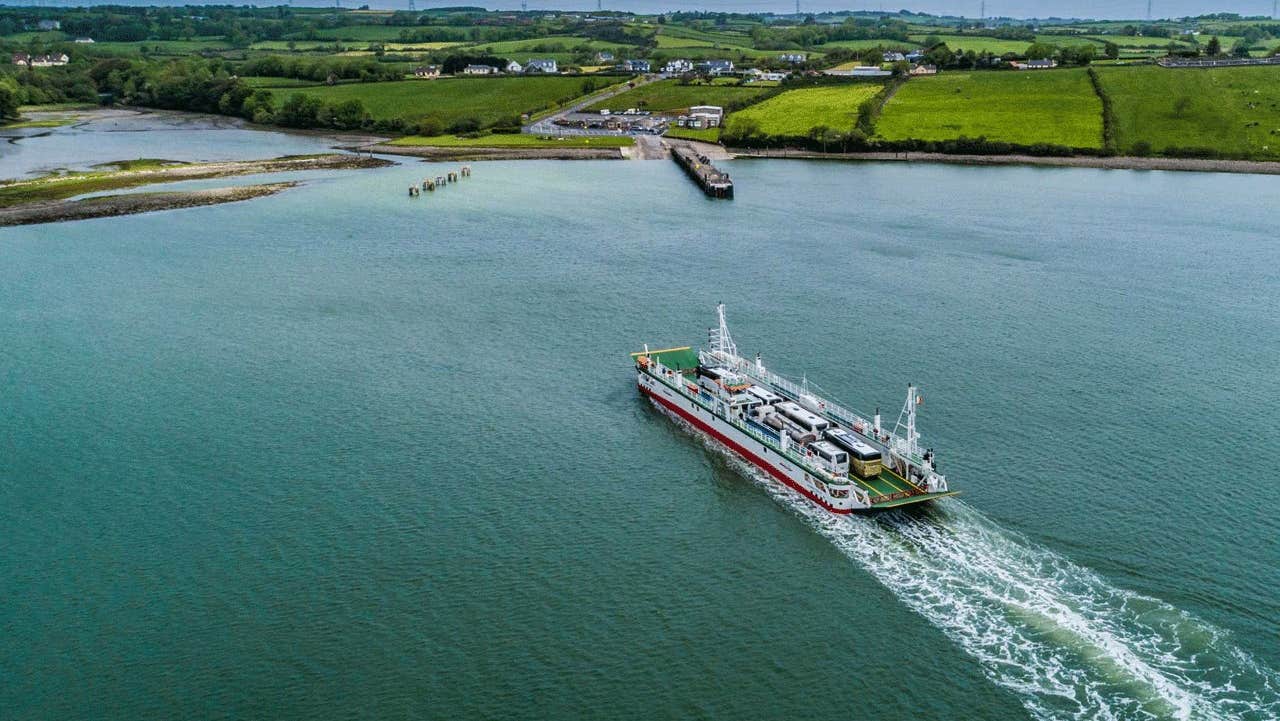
<point x="751" y="449"/>
<point x="829" y="454"/>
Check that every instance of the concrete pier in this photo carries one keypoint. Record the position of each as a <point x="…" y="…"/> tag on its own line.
<point x="713" y="181"/>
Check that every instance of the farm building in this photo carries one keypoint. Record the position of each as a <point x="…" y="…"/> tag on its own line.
<point x="426" y="71"/>
<point x="793" y="57"/>
<point x="83" y="41"/>
<point x="513" y="67"/>
<point x="678" y="66"/>
<point x="893" y="57"/>
<point x="604" y="56"/>
<point x="634" y="66"/>
<point x="479" y="70"/>
<point x="1045" y="64"/>
<point x="924" y="69"/>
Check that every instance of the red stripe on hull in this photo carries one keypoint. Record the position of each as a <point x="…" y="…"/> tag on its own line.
<point x="755" y="460"/>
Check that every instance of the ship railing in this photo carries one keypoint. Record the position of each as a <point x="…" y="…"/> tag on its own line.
<point x="837" y="412"/>
<point x="790" y="453"/>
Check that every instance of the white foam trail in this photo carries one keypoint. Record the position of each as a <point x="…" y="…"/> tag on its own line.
<point x="1067" y="642"/>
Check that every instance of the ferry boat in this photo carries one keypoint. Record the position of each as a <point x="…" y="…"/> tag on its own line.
<point x="836" y="458"/>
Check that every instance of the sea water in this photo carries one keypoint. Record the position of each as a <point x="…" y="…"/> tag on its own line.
<point x="339" y="453"/>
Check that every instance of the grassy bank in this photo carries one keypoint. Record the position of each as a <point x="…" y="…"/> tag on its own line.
<point x="706" y="135"/>
<point x="41" y="123"/>
<point x="514" y="141"/>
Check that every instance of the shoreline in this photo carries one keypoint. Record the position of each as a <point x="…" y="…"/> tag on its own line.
<point x="1118" y="162"/>
<point x="433" y="152"/>
<point x="51" y="198"/>
<point x="106" y="206"/>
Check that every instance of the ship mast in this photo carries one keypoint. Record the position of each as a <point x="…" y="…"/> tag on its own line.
<point x="907" y="423"/>
<point x="721" y="342"/>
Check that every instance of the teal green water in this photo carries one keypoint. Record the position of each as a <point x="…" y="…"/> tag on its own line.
<point x="339" y="454"/>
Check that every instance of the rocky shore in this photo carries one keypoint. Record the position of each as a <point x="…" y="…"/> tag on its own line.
<point x="1201" y="165"/>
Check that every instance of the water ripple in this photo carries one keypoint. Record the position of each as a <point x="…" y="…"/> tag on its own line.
<point x="1063" y="639"/>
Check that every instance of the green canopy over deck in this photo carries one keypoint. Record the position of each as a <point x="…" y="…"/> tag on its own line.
<point x="681" y="359"/>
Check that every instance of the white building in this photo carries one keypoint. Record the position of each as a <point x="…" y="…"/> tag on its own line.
<point x="717" y="67"/>
<point x="541" y="66"/>
<point x="707" y="116"/>
<point x="677" y="67"/>
<point x="513" y="67"/>
<point x="479" y="70"/>
<point x="40" y="61"/>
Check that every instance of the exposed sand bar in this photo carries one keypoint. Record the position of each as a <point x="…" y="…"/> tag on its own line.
<point x="46" y="199"/>
<point x="53" y="211"/>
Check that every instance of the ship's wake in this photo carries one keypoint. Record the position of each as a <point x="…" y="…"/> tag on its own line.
<point x="1068" y="643"/>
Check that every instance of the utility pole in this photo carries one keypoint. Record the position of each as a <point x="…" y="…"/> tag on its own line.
<point x="412" y="7"/>
<point x="524" y="6"/>
<point x="982" y="13"/>
<point x="1148" y="10"/>
<point x="797" y="8"/>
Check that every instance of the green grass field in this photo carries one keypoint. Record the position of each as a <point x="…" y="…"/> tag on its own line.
<point x="669" y="95"/>
<point x="1066" y="40"/>
<point x="363" y="33"/>
<point x="706" y="135"/>
<point x="568" y="42"/>
<point x="1235" y="111"/>
<point x="666" y="42"/>
<point x="1133" y="41"/>
<point x="517" y="141"/>
<point x="488" y="100"/>
<point x="723" y="38"/>
<point x="886" y="43"/>
<point x="794" y="113"/>
<point x="37" y="36"/>
<point x="1057" y="107"/>
<point x="261" y="81"/>
<point x="978" y="44"/>
<point x="160" y="47"/>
